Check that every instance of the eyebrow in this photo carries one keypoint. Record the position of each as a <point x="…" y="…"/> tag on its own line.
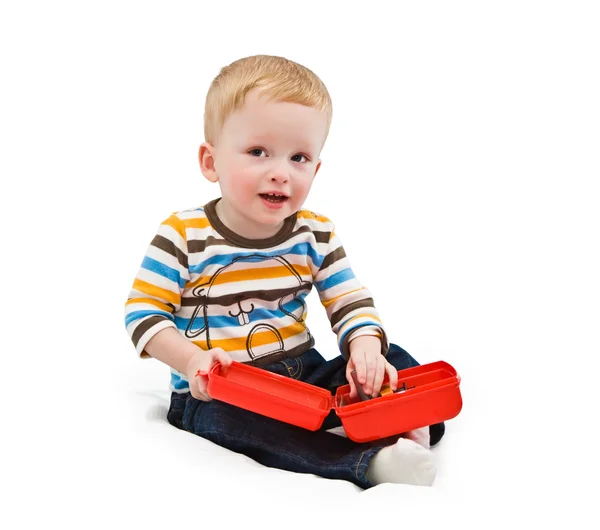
<point x="262" y="140"/>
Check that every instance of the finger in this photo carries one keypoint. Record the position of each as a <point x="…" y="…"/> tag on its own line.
<point x="202" y="387"/>
<point x="353" y="391"/>
<point x="370" y="377"/>
<point x="225" y="359"/>
<point x="377" y="368"/>
<point x="197" y="394"/>
<point x="215" y="353"/>
<point x="359" y="388"/>
<point x="201" y="397"/>
<point x="393" y="375"/>
<point x="379" y="375"/>
<point x="349" y="368"/>
<point x="360" y="365"/>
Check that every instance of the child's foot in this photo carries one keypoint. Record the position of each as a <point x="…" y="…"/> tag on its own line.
<point x="421" y="436"/>
<point x="405" y="462"/>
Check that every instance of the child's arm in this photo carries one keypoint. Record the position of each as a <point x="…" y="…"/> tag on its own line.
<point x="349" y="305"/>
<point x="169" y="347"/>
<point x="155" y="296"/>
<point x="351" y="310"/>
<point x="155" y="299"/>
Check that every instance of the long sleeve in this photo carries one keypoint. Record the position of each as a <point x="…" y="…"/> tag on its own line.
<point x="156" y="292"/>
<point x="349" y="305"/>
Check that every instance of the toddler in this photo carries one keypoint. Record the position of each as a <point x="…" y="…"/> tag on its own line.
<point x="228" y="281"/>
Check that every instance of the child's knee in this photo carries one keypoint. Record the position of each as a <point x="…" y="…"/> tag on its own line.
<point x="176" y="410"/>
<point x="436" y="433"/>
<point x="400" y="358"/>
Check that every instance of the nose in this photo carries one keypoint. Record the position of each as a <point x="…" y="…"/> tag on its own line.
<point x="280" y="173"/>
<point x="279" y="178"/>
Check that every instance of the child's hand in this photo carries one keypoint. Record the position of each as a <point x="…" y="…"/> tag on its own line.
<point x="203" y="362"/>
<point x="370" y="365"/>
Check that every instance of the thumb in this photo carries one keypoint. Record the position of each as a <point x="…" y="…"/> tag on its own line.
<point x="349" y="368"/>
<point x="353" y="393"/>
<point x="393" y="375"/>
<point x="222" y="357"/>
<point x="199" y="386"/>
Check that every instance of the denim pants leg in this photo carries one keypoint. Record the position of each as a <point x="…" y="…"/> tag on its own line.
<point x="282" y="445"/>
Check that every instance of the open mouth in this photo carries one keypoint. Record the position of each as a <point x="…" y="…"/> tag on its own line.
<point x="273" y="197"/>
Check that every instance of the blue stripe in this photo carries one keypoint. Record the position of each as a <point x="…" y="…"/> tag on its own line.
<point x="163" y="270"/>
<point x="362" y="324"/>
<point x="178" y="383"/>
<point x="135" y="315"/>
<point x="301" y="249"/>
<point x="256" y="315"/>
<point x="335" y="279"/>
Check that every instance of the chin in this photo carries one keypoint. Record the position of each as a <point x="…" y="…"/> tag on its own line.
<point x="274" y="221"/>
<point x="277" y="216"/>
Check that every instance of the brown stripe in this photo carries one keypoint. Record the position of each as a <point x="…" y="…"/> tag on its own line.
<point x="145" y="326"/>
<point x="231" y="299"/>
<point x="210" y="210"/>
<point x="294" y="352"/>
<point x="322" y="237"/>
<point x="338" y="254"/>
<point x="341" y="313"/>
<point x="199" y="245"/>
<point x="346" y="345"/>
<point x="300" y="230"/>
<point x="170" y="248"/>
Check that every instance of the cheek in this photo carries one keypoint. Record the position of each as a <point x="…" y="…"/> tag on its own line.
<point x="242" y="180"/>
<point x="304" y="182"/>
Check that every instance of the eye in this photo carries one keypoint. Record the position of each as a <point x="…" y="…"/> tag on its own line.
<point x="257" y="151"/>
<point x="298" y="158"/>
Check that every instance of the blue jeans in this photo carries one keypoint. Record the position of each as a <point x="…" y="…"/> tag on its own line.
<point x="285" y="446"/>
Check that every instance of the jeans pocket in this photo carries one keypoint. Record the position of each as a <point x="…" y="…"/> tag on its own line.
<point x="294" y="367"/>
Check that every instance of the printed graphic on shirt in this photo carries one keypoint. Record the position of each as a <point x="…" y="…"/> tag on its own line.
<point x="234" y="306"/>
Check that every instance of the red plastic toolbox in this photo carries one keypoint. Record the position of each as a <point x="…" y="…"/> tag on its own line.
<point x="431" y="395"/>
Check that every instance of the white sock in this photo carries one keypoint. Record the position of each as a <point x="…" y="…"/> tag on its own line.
<point x="405" y="462"/>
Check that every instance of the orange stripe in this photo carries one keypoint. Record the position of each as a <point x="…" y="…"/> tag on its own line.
<point x="373" y="317"/>
<point x="255" y="274"/>
<point x="197" y="222"/>
<point x="158" y="292"/>
<point x="150" y="301"/>
<point x="327" y="303"/>
<point x="307" y="214"/>
<point x="261" y="338"/>
<point x="202" y="344"/>
<point x="201" y="280"/>
<point x="176" y="224"/>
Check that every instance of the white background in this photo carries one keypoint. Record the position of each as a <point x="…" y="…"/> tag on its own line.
<point x="462" y="172"/>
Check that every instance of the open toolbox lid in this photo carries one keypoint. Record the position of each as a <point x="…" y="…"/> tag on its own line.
<point x="427" y="394"/>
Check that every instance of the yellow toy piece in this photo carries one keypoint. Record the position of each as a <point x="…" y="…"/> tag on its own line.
<point x="385" y="390"/>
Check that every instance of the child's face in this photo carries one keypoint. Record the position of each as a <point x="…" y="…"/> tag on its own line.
<point x="265" y="160"/>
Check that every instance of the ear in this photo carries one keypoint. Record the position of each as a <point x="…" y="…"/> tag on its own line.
<point x="206" y="157"/>
<point x="317" y="168"/>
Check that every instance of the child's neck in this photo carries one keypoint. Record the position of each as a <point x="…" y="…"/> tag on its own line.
<point x="245" y="227"/>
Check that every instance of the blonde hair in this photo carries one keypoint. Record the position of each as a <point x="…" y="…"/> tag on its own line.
<point x="277" y="78"/>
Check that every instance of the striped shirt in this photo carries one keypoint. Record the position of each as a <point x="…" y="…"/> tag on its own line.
<point x="246" y="296"/>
